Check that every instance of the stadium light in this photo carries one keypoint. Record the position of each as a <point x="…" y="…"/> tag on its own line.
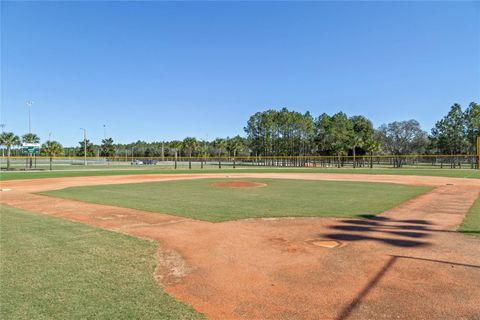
<point x="29" y="106"/>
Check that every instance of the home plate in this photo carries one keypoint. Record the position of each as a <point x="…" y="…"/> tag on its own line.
<point x="330" y="244"/>
<point x="1" y="190"/>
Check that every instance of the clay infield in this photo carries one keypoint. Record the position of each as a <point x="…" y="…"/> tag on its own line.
<point x="407" y="263"/>
<point x="239" y="184"/>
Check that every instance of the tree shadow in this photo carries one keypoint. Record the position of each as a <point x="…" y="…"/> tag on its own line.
<point x="394" y="232"/>
<point x="410" y="234"/>
<point x="403" y="226"/>
<point x="390" y="241"/>
<point x="380" y="218"/>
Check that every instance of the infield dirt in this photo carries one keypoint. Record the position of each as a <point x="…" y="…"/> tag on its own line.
<point x="407" y="263"/>
<point x="239" y="184"/>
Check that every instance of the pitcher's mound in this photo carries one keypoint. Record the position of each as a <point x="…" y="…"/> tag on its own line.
<point x="239" y="184"/>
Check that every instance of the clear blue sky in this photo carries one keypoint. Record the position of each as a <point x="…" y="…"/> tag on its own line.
<point x="161" y="71"/>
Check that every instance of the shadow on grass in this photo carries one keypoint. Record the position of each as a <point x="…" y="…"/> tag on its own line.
<point x="470" y="232"/>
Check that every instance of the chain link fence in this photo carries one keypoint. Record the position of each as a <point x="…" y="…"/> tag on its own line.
<point x="375" y="161"/>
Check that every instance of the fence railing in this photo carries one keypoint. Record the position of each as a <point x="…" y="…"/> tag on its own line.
<point x="364" y="161"/>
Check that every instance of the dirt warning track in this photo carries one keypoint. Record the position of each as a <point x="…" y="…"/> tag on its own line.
<point x="407" y="263"/>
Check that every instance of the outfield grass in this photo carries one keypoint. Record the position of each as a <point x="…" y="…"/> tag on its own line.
<point x="471" y="223"/>
<point x="56" y="269"/>
<point x="105" y="171"/>
<point x="199" y="199"/>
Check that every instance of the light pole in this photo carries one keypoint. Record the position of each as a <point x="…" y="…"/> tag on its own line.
<point x="29" y="106"/>
<point x="104" y="132"/>
<point x="84" y="146"/>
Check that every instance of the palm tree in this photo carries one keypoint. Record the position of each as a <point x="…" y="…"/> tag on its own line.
<point x="51" y="149"/>
<point x="176" y="146"/>
<point x="30" y="138"/>
<point x="357" y="142"/>
<point x="221" y="145"/>
<point x="233" y="145"/>
<point x="371" y="146"/>
<point x="202" y="152"/>
<point x="190" y="144"/>
<point x="9" y="139"/>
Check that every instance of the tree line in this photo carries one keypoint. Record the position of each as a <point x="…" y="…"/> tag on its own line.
<point x="286" y="133"/>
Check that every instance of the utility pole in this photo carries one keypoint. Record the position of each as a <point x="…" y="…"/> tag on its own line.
<point x="84" y="146"/>
<point x="29" y="106"/>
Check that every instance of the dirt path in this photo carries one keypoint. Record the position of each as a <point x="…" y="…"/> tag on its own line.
<point x="407" y="263"/>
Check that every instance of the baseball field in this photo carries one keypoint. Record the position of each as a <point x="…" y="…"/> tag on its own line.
<point x="240" y="245"/>
<point x="239" y="160"/>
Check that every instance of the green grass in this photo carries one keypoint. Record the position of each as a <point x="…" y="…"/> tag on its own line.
<point x="198" y="199"/>
<point x="104" y="171"/>
<point x="56" y="269"/>
<point x="471" y="223"/>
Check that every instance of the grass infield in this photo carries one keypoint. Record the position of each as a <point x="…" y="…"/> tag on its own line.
<point x="201" y="200"/>
<point x="471" y="223"/>
<point x="104" y="171"/>
<point x="57" y="269"/>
